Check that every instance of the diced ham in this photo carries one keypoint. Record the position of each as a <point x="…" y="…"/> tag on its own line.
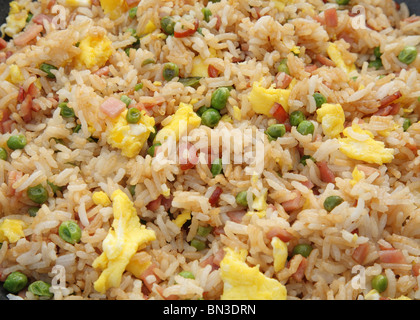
<point x="214" y="198"/>
<point x="187" y="32"/>
<point x="324" y="60"/>
<point x="390" y="110"/>
<point x="25" y="110"/>
<point x="310" y="68"/>
<point x="6" y="126"/>
<point x="218" y="257"/>
<point x="28" y="35"/>
<point x="155" y="204"/>
<point x="366" y="169"/>
<point x="214" y="260"/>
<point x="300" y="272"/>
<point x="325" y="172"/>
<point x="416" y="269"/>
<point x="360" y="253"/>
<point x="279" y="113"/>
<point x="3" y="43"/>
<point x="149" y="272"/>
<point x="236" y="216"/>
<point x="104" y="71"/>
<point x="167" y="202"/>
<point x="280" y="233"/>
<point x="219" y="230"/>
<point x="188" y="157"/>
<point x="39" y="18"/>
<point x="282" y="80"/>
<point x="295" y="203"/>
<point x="331" y="17"/>
<point x="112" y="107"/>
<point x="218" y="23"/>
<point x="391" y="256"/>
<point x="12" y="177"/>
<point x="308" y="184"/>
<point x="132" y="3"/>
<point x="390" y="99"/>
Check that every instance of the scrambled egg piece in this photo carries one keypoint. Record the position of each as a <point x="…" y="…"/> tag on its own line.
<point x="373" y="295"/>
<point x="259" y="204"/>
<point x="237" y="114"/>
<point x="78" y="3"/>
<point x="182" y="218"/>
<point x="11" y="230"/>
<point x="200" y="67"/>
<point x="114" y="8"/>
<point x="331" y="117"/>
<point x="149" y="28"/>
<point x="357" y="176"/>
<point x="16" y="20"/>
<point x="242" y="282"/>
<point x="15" y="75"/>
<point x="281" y="4"/>
<point x="262" y="100"/>
<point x="124" y="239"/>
<point x="95" y="51"/>
<point x="128" y="137"/>
<point x="337" y="57"/>
<point x="137" y="266"/>
<point x="184" y="120"/>
<point x="101" y="198"/>
<point x="280" y="253"/>
<point x="366" y="148"/>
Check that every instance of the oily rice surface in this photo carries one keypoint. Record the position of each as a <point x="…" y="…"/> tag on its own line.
<point x="374" y="229"/>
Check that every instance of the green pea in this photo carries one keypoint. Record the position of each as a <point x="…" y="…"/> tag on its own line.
<point x="133" y="115"/>
<point x="379" y="283"/>
<point x="190" y="81"/>
<point x="138" y="86"/>
<point x="204" y="231"/>
<point x="151" y="150"/>
<point x="132" y="13"/>
<point x="377" y="52"/>
<point x="296" y="117"/>
<point x="17" y="142"/>
<point x="319" y="99"/>
<point x="198" y="244"/>
<point x="276" y="130"/>
<point x="40" y="288"/>
<point x="70" y="232"/>
<point x="306" y="157"/>
<point x="406" y="124"/>
<point x="3" y="154"/>
<point x="168" y="25"/>
<point x="170" y="71"/>
<point x="302" y="249"/>
<point x="377" y="64"/>
<point x="216" y="167"/>
<point x="187" y="274"/>
<point x="331" y="202"/>
<point x="37" y="194"/>
<point x="211" y="117"/>
<point x="47" y="69"/>
<point x="66" y="111"/>
<point x="15" y="282"/>
<point x="282" y="67"/>
<point x="342" y="2"/>
<point x="32" y="211"/>
<point x="126" y="100"/>
<point x="201" y="110"/>
<point x="219" y="98"/>
<point x="242" y="198"/>
<point x="306" y="127"/>
<point x="408" y="55"/>
<point x="207" y="14"/>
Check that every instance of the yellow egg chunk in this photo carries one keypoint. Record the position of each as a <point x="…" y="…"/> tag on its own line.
<point x="114" y="8"/>
<point x="95" y="51"/>
<point x="16" y="20"/>
<point x="367" y="149"/>
<point x="129" y="137"/>
<point x="149" y="28"/>
<point x="241" y="282"/>
<point x="137" y="267"/>
<point x="15" y="75"/>
<point x="124" y="239"/>
<point x="262" y="100"/>
<point x="237" y="113"/>
<point x="280" y="253"/>
<point x="332" y="118"/>
<point x="78" y="3"/>
<point x="357" y="176"/>
<point x="11" y="230"/>
<point x="101" y="198"/>
<point x="336" y="56"/>
<point x="184" y="120"/>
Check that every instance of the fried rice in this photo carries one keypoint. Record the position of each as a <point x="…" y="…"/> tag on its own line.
<point x="307" y="186"/>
